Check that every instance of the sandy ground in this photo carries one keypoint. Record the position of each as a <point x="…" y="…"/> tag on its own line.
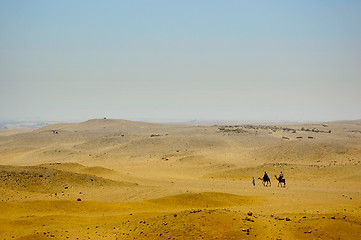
<point x="116" y="179"/>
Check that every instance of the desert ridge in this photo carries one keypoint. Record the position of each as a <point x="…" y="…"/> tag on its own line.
<point x="118" y="179"/>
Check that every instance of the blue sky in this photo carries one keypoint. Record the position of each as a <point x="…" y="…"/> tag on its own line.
<point x="180" y="60"/>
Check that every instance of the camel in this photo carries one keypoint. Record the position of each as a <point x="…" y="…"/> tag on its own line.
<point x="280" y="181"/>
<point x="265" y="181"/>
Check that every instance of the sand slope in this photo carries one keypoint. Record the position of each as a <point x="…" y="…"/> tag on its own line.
<point x="151" y="181"/>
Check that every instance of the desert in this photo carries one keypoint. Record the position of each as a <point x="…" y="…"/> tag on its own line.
<point x="119" y="179"/>
<point x="180" y="120"/>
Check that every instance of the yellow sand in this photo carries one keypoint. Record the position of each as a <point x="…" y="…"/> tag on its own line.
<point x="150" y="181"/>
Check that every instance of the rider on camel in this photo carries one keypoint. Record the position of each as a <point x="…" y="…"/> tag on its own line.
<point x="281" y="175"/>
<point x="265" y="177"/>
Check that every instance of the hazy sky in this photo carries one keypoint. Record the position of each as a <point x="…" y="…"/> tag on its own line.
<point x="178" y="60"/>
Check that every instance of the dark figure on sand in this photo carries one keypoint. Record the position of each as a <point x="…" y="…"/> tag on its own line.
<point x="265" y="180"/>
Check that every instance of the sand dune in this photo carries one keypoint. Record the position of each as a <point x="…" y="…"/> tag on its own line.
<point x="117" y="179"/>
<point x="46" y="180"/>
<point x="78" y="168"/>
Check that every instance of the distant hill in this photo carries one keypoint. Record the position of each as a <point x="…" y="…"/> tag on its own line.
<point x="22" y="124"/>
<point x="106" y="125"/>
<point x="356" y="122"/>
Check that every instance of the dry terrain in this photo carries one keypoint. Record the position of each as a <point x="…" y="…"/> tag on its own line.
<point x="117" y="179"/>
